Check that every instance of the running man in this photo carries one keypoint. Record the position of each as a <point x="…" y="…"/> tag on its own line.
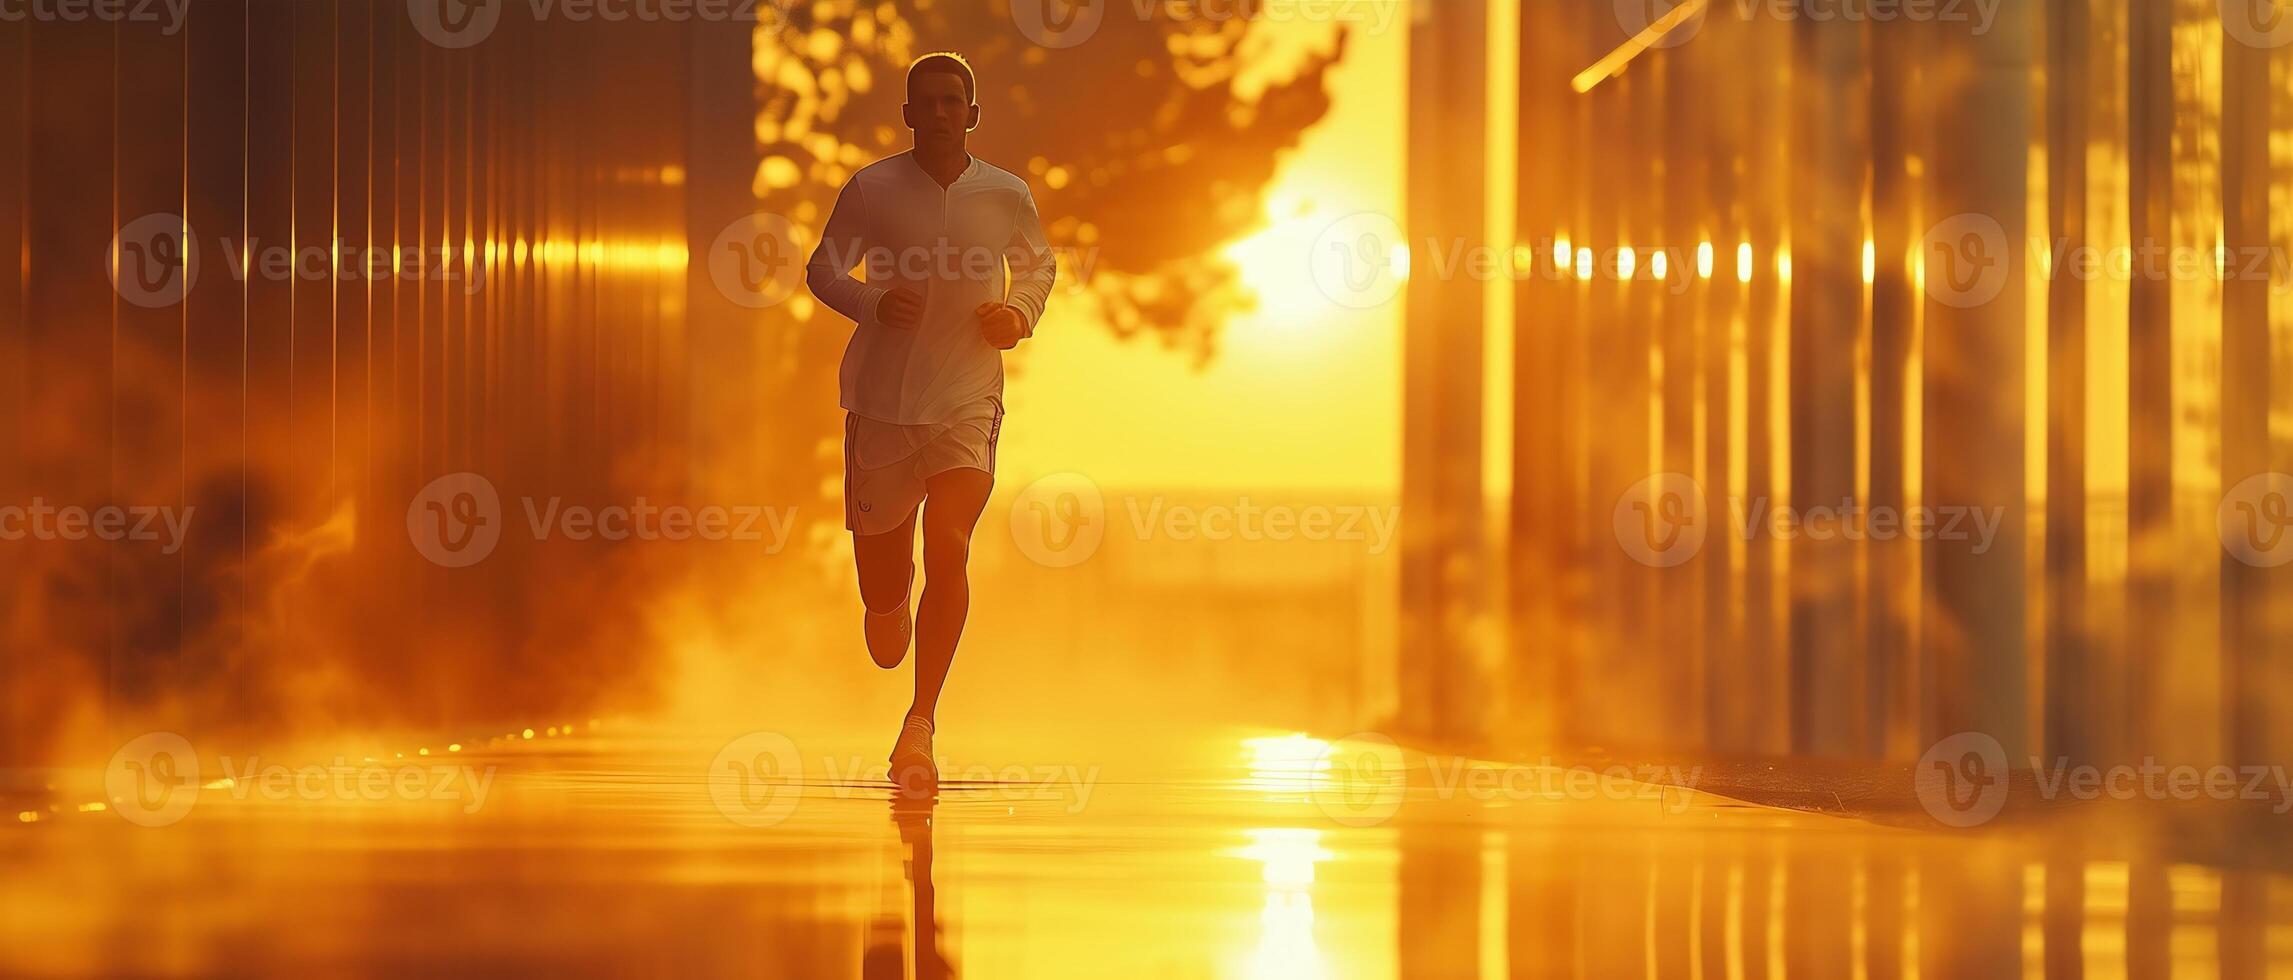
<point x="922" y="379"/>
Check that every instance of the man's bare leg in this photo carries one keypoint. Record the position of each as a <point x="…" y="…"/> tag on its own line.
<point x="953" y="501"/>
<point x="887" y="567"/>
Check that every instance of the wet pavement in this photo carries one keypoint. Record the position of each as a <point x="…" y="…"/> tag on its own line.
<point x="626" y="850"/>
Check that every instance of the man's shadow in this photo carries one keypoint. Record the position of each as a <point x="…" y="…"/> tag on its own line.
<point x="885" y="959"/>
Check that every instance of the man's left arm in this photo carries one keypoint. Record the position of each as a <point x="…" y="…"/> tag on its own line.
<point x="1033" y="266"/>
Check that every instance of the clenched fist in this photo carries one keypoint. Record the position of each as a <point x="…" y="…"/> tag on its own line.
<point x="1002" y="325"/>
<point x="901" y="308"/>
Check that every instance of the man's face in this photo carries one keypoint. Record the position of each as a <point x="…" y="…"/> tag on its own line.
<point x="937" y="108"/>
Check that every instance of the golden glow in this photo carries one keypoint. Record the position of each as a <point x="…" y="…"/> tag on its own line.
<point x="1744" y="262"/>
<point x="1704" y="260"/>
<point x="1583" y="262"/>
<point x="1658" y="264"/>
<point x="1626" y="262"/>
<point x="1870" y="262"/>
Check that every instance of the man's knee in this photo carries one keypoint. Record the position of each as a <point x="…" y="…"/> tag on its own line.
<point x="946" y="550"/>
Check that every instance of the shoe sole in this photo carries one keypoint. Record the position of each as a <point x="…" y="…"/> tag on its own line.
<point x="897" y="657"/>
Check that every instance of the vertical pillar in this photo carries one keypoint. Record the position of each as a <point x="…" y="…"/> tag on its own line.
<point x="1897" y="101"/>
<point x="2150" y="362"/>
<point x="2256" y="644"/>
<point x="1544" y="514"/>
<point x="1830" y="144"/>
<point x="1974" y="389"/>
<point x="2070" y="702"/>
<point x="1442" y="568"/>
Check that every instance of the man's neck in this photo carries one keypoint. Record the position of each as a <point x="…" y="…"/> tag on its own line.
<point x="942" y="163"/>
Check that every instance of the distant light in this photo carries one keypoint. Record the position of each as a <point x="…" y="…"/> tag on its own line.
<point x="1285" y="764"/>
<point x="456" y="747"/>
<point x="1658" y="264"/>
<point x="1870" y="262"/>
<point x="1626" y="262"/>
<point x="1744" y="262"/>
<point x="1561" y="253"/>
<point x="1583" y="262"/>
<point x="529" y="733"/>
<point x="422" y="751"/>
<point x="1704" y="260"/>
<point x="1783" y="265"/>
<point x="1524" y="259"/>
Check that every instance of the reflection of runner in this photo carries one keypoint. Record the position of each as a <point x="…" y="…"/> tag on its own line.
<point x="935" y="227"/>
<point x="883" y="958"/>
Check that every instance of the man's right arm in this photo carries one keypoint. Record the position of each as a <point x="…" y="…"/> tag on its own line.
<point x="842" y="242"/>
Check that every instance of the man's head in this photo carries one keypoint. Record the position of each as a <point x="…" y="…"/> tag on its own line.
<point x="942" y="98"/>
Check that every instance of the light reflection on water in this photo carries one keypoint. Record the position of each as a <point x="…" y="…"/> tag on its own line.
<point x="609" y="854"/>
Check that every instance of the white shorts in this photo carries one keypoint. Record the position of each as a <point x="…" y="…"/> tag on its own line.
<point x="886" y="464"/>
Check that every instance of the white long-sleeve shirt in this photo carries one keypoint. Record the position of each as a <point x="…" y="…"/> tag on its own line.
<point x="949" y="245"/>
